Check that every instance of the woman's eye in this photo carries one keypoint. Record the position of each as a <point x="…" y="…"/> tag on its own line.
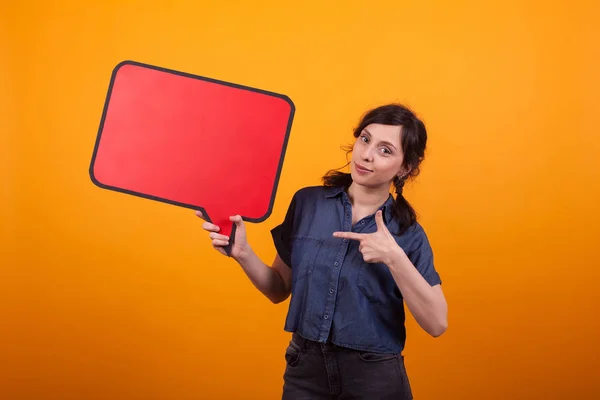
<point x="386" y="151"/>
<point x="364" y="139"/>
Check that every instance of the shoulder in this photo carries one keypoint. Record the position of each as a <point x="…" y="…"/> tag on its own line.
<point x="315" y="190"/>
<point x="305" y="206"/>
<point x="312" y="200"/>
<point x="314" y="193"/>
<point x="413" y="238"/>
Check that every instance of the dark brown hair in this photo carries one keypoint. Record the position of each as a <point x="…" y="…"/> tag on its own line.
<point x="413" y="140"/>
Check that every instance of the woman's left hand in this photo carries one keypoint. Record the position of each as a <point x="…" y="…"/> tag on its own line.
<point x="377" y="247"/>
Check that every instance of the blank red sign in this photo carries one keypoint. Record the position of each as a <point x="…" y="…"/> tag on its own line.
<point x="192" y="141"/>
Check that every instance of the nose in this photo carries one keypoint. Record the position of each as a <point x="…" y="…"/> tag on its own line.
<point x="367" y="153"/>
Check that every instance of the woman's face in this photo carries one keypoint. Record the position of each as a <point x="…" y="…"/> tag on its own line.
<point x="377" y="156"/>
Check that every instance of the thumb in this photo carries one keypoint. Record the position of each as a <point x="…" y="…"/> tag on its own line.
<point x="239" y="222"/>
<point x="379" y="220"/>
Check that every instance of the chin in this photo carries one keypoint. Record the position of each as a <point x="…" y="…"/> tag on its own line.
<point x="368" y="182"/>
<point x="360" y="180"/>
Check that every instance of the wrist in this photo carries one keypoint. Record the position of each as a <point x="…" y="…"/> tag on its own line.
<point x="396" y="258"/>
<point x="243" y="255"/>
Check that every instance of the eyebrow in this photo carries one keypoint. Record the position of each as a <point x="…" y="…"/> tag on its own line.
<point x="384" y="142"/>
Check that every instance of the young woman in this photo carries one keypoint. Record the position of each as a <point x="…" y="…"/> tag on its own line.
<point x="350" y="254"/>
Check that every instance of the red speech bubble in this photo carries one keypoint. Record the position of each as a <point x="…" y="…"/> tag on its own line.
<point x="192" y="141"/>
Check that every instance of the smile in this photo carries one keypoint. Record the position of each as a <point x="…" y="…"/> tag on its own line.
<point x="360" y="168"/>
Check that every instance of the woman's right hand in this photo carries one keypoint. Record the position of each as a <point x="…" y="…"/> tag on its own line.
<point x="219" y="242"/>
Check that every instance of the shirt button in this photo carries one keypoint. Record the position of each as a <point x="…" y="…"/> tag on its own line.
<point x="326" y="316"/>
<point x="335" y="264"/>
<point x="330" y="290"/>
<point x="345" y="240"/>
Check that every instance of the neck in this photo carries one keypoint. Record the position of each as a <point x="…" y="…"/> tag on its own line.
<point x="366" y="197"/>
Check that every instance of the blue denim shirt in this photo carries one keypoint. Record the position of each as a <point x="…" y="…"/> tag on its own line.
<point x="337" y="296"/>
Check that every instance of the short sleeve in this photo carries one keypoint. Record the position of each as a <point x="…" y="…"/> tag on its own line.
<point x="282" y="234"/>
<point x="421" y="255"/>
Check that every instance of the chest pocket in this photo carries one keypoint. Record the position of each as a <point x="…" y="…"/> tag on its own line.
<point x="304" y="254"/>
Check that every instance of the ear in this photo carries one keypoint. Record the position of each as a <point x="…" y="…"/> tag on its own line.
<point x="404" y="171"/>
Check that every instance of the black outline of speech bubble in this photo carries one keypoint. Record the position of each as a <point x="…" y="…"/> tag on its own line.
<point x="176" y="203"/>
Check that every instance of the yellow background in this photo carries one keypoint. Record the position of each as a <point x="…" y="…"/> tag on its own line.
<point x="108" y="296"/>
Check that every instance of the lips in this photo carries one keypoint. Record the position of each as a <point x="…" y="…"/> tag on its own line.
<point x="361" y="168"/>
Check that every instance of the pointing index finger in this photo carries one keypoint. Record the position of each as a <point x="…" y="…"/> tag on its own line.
<point x="349" y="235"/>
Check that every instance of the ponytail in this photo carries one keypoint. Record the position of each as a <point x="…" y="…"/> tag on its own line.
<point x="402" y="210"/>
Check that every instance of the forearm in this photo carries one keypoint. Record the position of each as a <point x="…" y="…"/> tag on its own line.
<point x="425" y="303"/>
<point x="266" y="279"/>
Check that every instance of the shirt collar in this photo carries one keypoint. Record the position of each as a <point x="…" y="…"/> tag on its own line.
<point x="334" y="191"/>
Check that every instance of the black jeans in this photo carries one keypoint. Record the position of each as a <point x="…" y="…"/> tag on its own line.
<point x="325" y="371"/>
